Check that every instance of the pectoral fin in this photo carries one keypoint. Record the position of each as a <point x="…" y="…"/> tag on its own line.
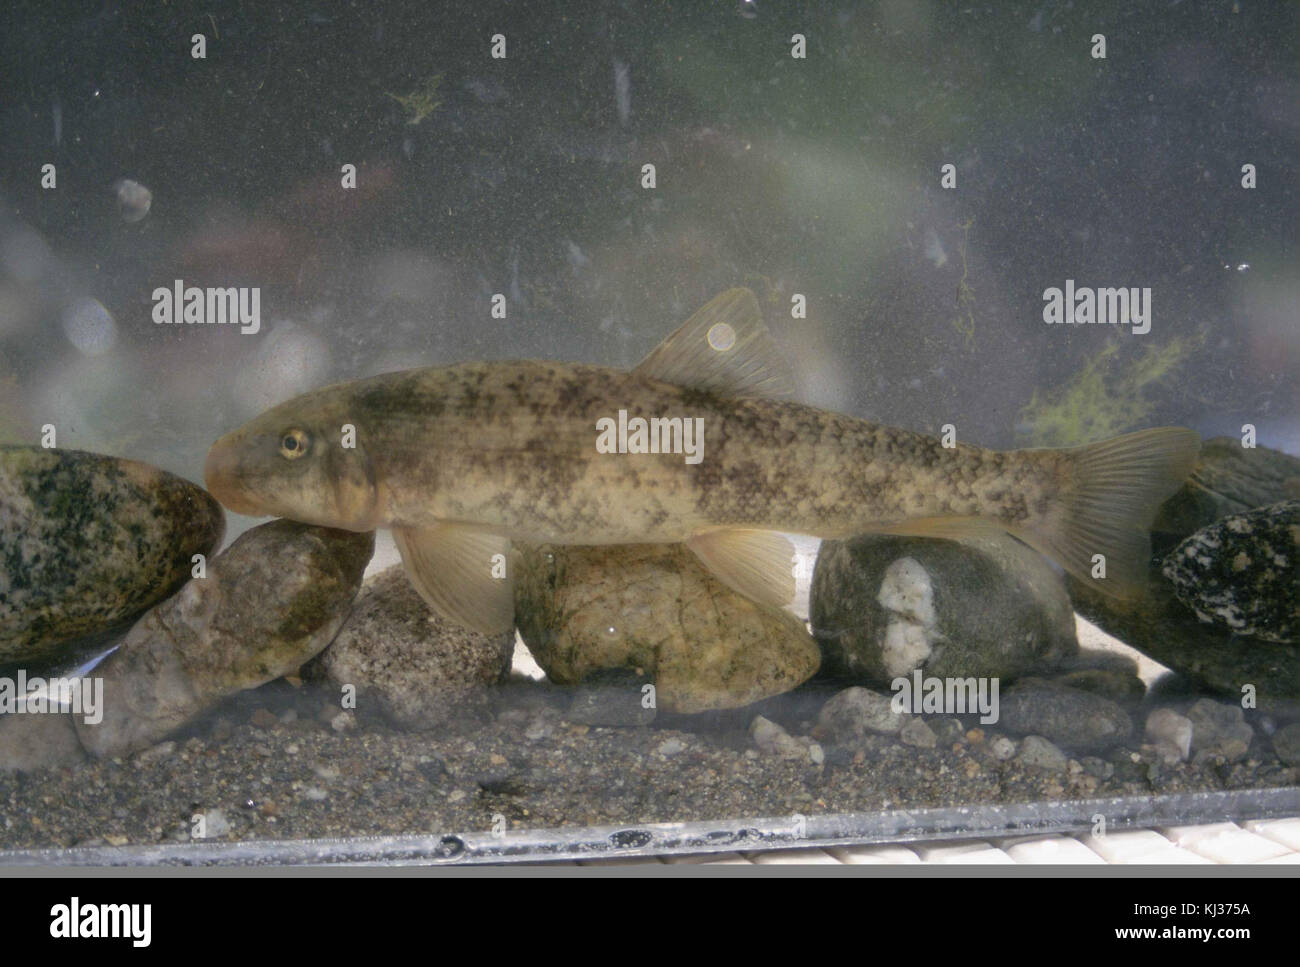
<point x="756" y="563"/>
<point x="463" y="572"/>
<point x="725" y="349"/>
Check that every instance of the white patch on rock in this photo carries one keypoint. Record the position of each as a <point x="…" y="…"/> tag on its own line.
<point x="906" y="592"/>
<point x="905" y="647"/>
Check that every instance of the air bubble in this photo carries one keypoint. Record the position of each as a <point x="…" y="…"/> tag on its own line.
<point x="133" y="199"/>
<point x="721" y="336"/>
<point x="89" y="327"/>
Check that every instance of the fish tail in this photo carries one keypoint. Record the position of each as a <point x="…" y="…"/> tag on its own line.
<point x="1110" y="493"/>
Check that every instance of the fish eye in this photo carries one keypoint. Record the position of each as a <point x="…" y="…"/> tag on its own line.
<point x="293" y="444"/>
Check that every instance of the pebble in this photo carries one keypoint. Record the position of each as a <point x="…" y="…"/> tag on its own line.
<point x="1170" y="733"/>
<point x="1097" y="768"/>
<point x="855" y="713"/>
<point x="774" y="740"/>
<point x="918" y="733"/>
<point x="1002" y="748"/>
<point x="537" y="731"/>
<point x="671" y="747"/>
<point x="215" y="824"/>
<point x="156" y="754"/>
<point x="1038" y="751"/>
<point x="1219" y="729"/>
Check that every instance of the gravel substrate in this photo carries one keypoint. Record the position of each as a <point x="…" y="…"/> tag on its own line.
<point x="282" y="763"/>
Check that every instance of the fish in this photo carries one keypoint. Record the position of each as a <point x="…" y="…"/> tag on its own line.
<point x="460" y="461"/>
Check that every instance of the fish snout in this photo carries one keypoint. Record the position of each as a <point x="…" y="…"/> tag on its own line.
<point x="222" y="478"/>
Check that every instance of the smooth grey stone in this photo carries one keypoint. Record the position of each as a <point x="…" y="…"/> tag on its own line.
<point x="1076" y="719"/>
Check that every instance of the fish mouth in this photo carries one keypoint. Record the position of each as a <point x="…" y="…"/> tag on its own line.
<point x="222" y="478"/>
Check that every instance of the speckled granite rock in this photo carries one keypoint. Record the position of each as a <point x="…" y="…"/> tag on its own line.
<point x="1243" y="572"/>
<point x="1227" y="480"/>
<point x="270" y="601"/>
<point x="1079" y="720"/>
<point x="654" y="608"/>
<point x="89" y="541"/>
<point x="420" y="667"/>
<point x="884" y="605"/>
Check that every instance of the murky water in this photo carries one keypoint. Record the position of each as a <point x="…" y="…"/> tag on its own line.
<point x="922" y="199"/>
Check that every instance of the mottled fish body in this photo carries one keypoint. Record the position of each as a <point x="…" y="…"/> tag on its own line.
<point x="460" y="460"/>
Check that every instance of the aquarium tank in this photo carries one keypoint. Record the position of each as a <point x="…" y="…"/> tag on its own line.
<point x="496" y="432"/>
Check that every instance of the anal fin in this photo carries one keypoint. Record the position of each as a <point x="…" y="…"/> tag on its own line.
<point x="462" y="571"/>
<point x="756" y="563"/>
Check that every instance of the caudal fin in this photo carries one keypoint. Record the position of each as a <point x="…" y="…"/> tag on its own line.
<point x="1110" y="493"/>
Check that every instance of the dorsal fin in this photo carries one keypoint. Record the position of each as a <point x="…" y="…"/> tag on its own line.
<point x="724" y="349"/>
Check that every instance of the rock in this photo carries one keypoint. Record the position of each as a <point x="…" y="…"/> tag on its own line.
<point x="1170" y="733"/>
<point x="87" y="542"/>
<point x="214" y="825"/>
<point x="1108" y="674"/>
<point x="857" y="712"/>
<point x="1098" y="768"/>
<point x="771" y="738"/>
<point x="1227" y="480"/>
<point x="670" y="747"/>
<point x="269" y="602"/>
<point x="883" y="605"/>
<point x="1037" y="751"/>
<point x="654" y="609"/>
<point x="1286" y="744"/>
<point x="1243" y="572"/>
<point x="1078" y="719"/>
<point x="1002" y="748"/>
<point x="1219" y="729"/>
<point x="918" y="733"/>
<point x="155" y="754"/>
<point x="35" y="740"/>
<point x="419" y="667"/>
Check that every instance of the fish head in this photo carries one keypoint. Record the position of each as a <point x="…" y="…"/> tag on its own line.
<point x="304" y="460"/>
